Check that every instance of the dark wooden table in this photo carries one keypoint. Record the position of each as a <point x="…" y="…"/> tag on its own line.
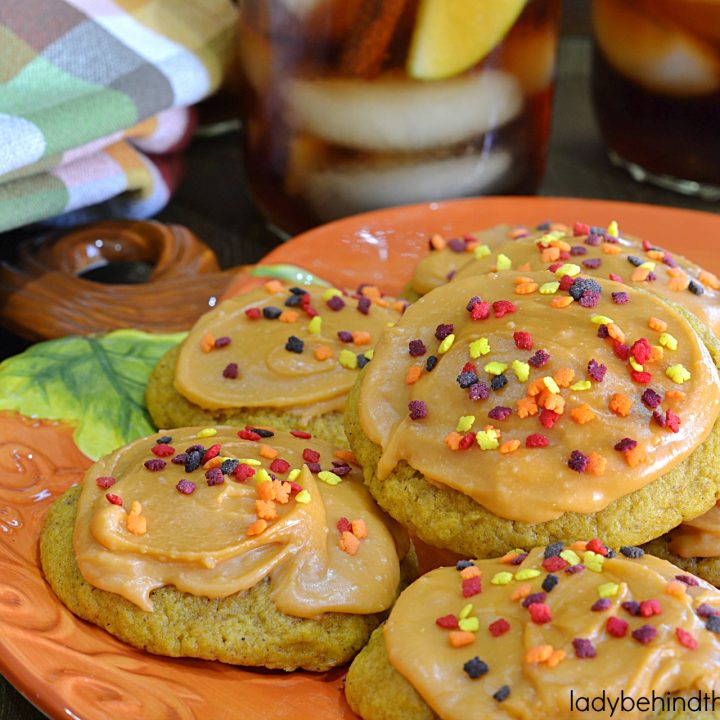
<point x="214" y="202"/>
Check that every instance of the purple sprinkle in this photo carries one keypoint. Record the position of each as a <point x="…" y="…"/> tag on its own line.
<point x="418" y="409"/>
<point x="632" y="607"/>
<point x="518" y="559"/>
<point x="222" y="342"/>
<point x="602" y="331"/>
<point x="345" y="336"/>
<point x="659" y="418"/>
<point x="651" y="399"/>
<point x="596" y="370"/>
<point x="578" y="250"/>
<point x="314" y="467"/>
<point x="688" y="580"/>
<point x="625" y="444"/>
<point x="592" y="263"/>
<point x="185" y="487"/>
<point x="363" y="305"/>
<point x="456" y="245"/>
<point x="472" y="302"/>
<point x="583" y="648"/>
<point x="578" y="461"/>
<point x="479" y="391"/>
<point x="214" y="476"/>
<point x="335" y="303"/>
<point x="179" y="459"/>
<point x="443" y="330"/>
<point x="451" y="275"/>
<point x="155" y="464"/>
<point x="195" y="448"/>
<point x="500" y="412"/>
<point x="669" y="260"/>
<point x="467" y="379"/>
<point x="592" y="239"/>
<point x="574" y="569"/>
<point x="341" y="469"/>
<point x="644" y="634"/>
<point x="231" y="371"/>
<point x="590" y="299"/>
<point x="651" y="277"/>
<point x="620" y="298"/>
<point x="532" y="598"/>
<point x="417" y="348"/>
<point x="705" y="611"/>
<point x="601" y="604"/>
<point x="539" y="358"/>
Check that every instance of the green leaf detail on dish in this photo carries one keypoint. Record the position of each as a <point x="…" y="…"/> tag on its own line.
<point x="95" y="383"/>
<point x="288" y="273"/>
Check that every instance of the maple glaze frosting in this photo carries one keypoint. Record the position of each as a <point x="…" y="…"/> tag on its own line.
<point x="212" y="521"/>
<point x="498" y="639"/>
<point x="610" y="255"/>
<point x="699" y="537"/>
<point x="278" y="347"/>
<point x="534" y="403"/>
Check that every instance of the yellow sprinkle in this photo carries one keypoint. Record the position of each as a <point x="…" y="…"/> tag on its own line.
<point x="348" y="359"/>
<point x="479" y="347"/>
<point x="262" y="476"/>
<point x="390" y="324"/>
<point x="547" y="238"/>
<point x="570" y="557"/>
<point x="487" y="439"/>
<point x="503" y="262"/>
<point x="249" y="461"/>
<point x="568" y="269"/>
<point x="369" y="354"/>
<point x="465" y="423"/>
<point x="329" y="478"/>
<point x="608" y="590"/>
<point x="465" y="611"/>
<point x="612" y="229"/>
<point x="315" y="325"/>
<point x="668" y="341"/>
<point x="647" y="265"/>
<point x="601" y="320"/>
<point x="635" y="364"/>
<point x="551" y="385"/>
<point x="521" y="370"/>
<point x="495" y="368"/>
<point x="207" y="432"/>
<point x="331" y="293"/>
<point x="446" y="344"/>
<point x="293" y="474"/>
<point x="303" y="497"/>
<point x="582" y="385"/>
<point x="678" y="373"/>
<point x="549" y="288"/>
<point x="527" y="574"/>
<point x="481" y="251"/>
<point x="502" y="578"/>
<point x="469" y="624"/>
<point x="593" y="561"/>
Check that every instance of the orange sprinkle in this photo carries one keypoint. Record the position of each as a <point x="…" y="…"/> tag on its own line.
<point x="281" y="491"/>
<point x="635" y="456"/>
<point x="508" y="557"/>
<point x="510" y="446"/>
<point x="620" y="404"/>
<point x="273" y="286"/>
<point x="207" y="342"/>
<point x="560" y="245"/>
<point x="521" y="592"/>
<point x="678" y="283"/>
<point x="639" y="274"/>
<point x="361" y="337"/>
<point x="564" y="376"/>
<point x="580" y="545"/>
<point x="676" y="588"/>
<point x="522" y="279"/>
<point x="655" y="254"/>
<point x="371" y="291"/>
<point x="527" y="288"/>
<point x="526" y="407"/>
<point x="398" y="306"/>
<point x="556" y="658"/>
<point x="345" y="455"/>
<point x="539" y="653"/>
<point x="709" y="280"/>
<point x="612" y="248"/>
<point x="657" y="324"/>
<point x="349" y="543"/>
<point x="675" y="272"/>
<point x="288" y="316"/>
<point x="257" y="528"/>
<point x="656" y="353"/>
<point x="517" y="232"/>
<point x="536" y="387"/>
<point x="217" y="461"/>
<point x="452" y="440"/>
<point x="265" y="509"/>
<point x="136" y="522"/>
<point x="561" y="301"/>
<point x="323" y="352"/>
<point x="616" y="333"/>
<point x="675" y="395"/>
<point x="596" y="464"/>
<point x="582" y="414"/>
<point x="559" y="227"/>
<point x="437" y="242"/>
<point x="525" y="267"/>
<point x="413" y="374"/>
<point x="553" y="402"/>
<point x="470" y="571"/>
<point x="550" y="254"/>
<point x="460" y="638"/>
<point x="267" y="452"/>
<point x="359" y="529"/>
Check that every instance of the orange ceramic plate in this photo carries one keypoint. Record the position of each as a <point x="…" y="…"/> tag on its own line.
<point x="70" y="669"/>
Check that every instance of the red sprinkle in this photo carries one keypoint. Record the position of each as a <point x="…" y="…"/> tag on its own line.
<point x="616" y="627"/>
<point x="310" y="455"/>
<point x="621" y="350"/>
<point x="301" y="434"/>
<point x="467" y="441"/>
<point x="672" y="421"/>
<point x="449" y="622"/>
<point x="344" y="525"/>
<point x="480" y="311"/>
<point x="641" y="350"/>
<point x="105" y="482"/>
<point x="162" y="450"/>
<point x="211" y="452"/>
<point x="114" y="499"/>
<point x="685" y="638"/>
<point x="278" y="465"/>
<point x="615" y="277"/>
<point x="548" y="418"/>
<point x="243" y="471"/>
<point x="566" y="282"/>
<point x="540" y="613"/>
<point x="499" y="627"/>
<point x="642" y="378"/>
<point x="523" y="340"/>
<point x="648" y="608"/>
<point x="248" y="435"/>
<point x="536" y="440"/>
<point x="503" y="307"/>
<point x="253" y="313"/>
<point x="597" y="547"/>
<point x="554" y="563"/>
<point x="471" y="586"/>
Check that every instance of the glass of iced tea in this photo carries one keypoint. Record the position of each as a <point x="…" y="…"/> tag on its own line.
<point x="656" y="90"/>
<point x="350" y="105"/>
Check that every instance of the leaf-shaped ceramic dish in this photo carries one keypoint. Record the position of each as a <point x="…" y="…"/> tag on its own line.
<point x="70" y="669"/>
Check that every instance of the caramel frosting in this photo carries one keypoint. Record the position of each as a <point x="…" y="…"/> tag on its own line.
<point x="536" y="400"/>
<point x="298" y="349"/>
<point x="699" y="537"/>
<point x="502" y="639"/>
<point x="608" y="254"/>
<point x="215" y="511"/>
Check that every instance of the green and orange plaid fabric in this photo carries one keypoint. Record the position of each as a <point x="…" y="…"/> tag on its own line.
<point x="90" y="90"/>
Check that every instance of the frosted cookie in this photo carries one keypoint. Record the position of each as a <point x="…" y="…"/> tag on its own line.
<point x="254" y="550"/>
<point x="539" y="635"/>
<point x="513" y="410"/>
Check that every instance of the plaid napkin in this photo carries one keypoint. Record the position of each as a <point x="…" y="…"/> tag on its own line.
<point x="93" y="93"/>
